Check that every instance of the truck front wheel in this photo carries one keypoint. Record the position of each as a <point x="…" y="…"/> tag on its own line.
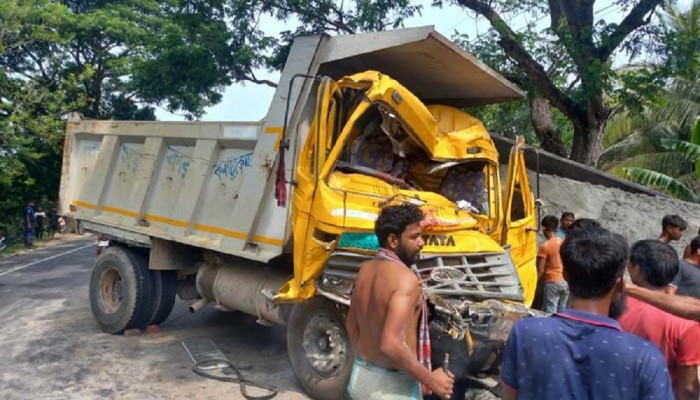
<point x="121" y="290"/>
<point x="319" y="349"/>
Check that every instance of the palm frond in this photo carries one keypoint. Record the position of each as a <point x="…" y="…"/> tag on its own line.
<point x="668" y="163"/>
<point x="690" y="181"/>
<point x="661" y="182"/>
<point x="682" y="104"/>
<point x="623" y="125"/>
<point x="646" y="140"/>
<point x="689" y="151"/>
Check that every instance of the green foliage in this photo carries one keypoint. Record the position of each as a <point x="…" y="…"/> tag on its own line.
<point x="568" y="62"/>
<point x="105" y="59"/>
<point x="662" y="182"/>
<point x="680" y="36"/>
<point x="308" y="17"/>
<point x="651" y="149"/>
<point x="514" y="118"/>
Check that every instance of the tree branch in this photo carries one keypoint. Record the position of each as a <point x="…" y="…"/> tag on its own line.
<point x="535" y="72"/>
<point x="38" y="63"/>
<point x="253" y="79"/>
<point x="632" y="21"/>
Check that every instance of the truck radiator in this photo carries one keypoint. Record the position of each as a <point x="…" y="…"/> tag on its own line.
<point x="475" y="276"/>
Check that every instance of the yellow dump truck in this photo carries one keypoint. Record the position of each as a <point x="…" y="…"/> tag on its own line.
<point x="274" y="218"/>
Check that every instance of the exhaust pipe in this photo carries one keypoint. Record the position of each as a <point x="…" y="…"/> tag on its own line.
<point x="198" y="305"/>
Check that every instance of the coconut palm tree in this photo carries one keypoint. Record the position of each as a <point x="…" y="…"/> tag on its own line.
<point x="654" y="147"/>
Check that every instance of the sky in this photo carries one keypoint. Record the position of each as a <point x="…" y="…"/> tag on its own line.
<point x="249" y="102"/>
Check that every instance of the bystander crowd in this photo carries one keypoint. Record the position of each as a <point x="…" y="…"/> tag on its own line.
<point x="581" y="352"/>
<point x="653" y="265"/>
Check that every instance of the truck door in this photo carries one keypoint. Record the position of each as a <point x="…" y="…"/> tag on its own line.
<point x="309" y="250"/>
<point x="519" y="229"/>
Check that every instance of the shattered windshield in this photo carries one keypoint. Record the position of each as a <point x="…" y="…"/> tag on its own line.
<point x="383" y="149"/>
<point x="466" y="185"/>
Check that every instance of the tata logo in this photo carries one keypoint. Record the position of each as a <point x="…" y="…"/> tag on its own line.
<point x="439" y="240"/>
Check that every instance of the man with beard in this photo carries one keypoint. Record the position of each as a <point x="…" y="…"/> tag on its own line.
<point x="652" y="265"/>
<point x="581" y="352"/>
<point x="382" y="322"/>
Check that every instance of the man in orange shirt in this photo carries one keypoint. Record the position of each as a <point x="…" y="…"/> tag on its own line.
<point x="549" y="266"/>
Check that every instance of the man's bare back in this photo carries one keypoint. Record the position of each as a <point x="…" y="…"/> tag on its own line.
<point x="379" y="284"/>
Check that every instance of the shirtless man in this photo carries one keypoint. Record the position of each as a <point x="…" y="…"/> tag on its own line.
<point x="383" y="319"/>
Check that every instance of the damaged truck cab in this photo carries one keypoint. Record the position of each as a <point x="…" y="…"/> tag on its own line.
<point x="275" y="217"/>
<point x="373" y="143"/>
<point x="390" y="148"/>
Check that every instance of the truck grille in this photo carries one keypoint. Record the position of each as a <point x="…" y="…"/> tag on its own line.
<point x="477" y="276"/>
<point x="490" y="276"/>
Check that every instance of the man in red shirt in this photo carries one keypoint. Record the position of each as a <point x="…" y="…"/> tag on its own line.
<point x="653" y="265"/>
<point x="549" y="267"/>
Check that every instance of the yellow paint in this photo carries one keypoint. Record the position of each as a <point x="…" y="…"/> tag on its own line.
<point x="84" y="204"/>
<point x="334" y="202"/>
<point x="165" y="220"/>
<point x="275" y="130"/>
<point x="120" y="211"/>
<point x="183" y="224"/>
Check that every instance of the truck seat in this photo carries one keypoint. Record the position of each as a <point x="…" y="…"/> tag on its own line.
<point x="373" y="149"/>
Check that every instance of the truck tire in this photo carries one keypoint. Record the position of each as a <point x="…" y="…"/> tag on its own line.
<point x="121" y="290"/>
<point x="319" y="349"/>
<point x="164" y="290"/>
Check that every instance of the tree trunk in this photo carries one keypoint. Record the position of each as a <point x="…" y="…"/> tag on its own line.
<point x="587" y="144"/>
<point x="548" y="135"/>
<point x="589" y="130"/>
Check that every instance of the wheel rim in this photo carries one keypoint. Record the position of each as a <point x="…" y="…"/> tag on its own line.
<point x="325" y="344"/>
<point x="111" y="290"/>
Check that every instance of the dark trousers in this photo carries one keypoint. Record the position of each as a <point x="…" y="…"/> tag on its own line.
<point x="39" y="231"/>
<point x="28" y="236"/>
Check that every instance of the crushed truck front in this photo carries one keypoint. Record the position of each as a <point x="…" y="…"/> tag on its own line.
<point x="373" y="143"/>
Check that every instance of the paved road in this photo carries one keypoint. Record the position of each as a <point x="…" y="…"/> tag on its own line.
<point x="51" y="348"/>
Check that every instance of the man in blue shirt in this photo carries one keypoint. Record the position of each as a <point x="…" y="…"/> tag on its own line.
<point x="581" y="353"/>
<point x="29" y="220"/>
<point x="567" y="219"/>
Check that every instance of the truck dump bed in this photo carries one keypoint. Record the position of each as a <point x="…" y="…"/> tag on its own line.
<point x="212" y="185"/>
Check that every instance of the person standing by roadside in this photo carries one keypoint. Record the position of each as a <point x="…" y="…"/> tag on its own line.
<point x="53" y="222"/>
<point x="40" y="217"/>
<point x="382" y="322"/>
<point x="672" y="227"/>
<point x="582" y="353"/>
<point x="567" y="219"/>
<point x="549" y="267"/>
<point x="29" y="219"/>
<point x="653" y="265"/>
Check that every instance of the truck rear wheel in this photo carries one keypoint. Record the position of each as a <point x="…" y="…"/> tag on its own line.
<point x="121" y="290"/>
<point x="164" y="290"/>
<point x="319" y="349"/>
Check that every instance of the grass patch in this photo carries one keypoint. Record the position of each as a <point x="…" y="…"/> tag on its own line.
<point x="12" y="249"/>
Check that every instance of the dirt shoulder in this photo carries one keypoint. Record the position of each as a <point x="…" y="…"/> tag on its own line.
<point x="58" y="240"/>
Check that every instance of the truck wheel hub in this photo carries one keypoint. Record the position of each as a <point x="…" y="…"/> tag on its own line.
<point x="111" y="289"/>
<point x="325" y="344"/>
